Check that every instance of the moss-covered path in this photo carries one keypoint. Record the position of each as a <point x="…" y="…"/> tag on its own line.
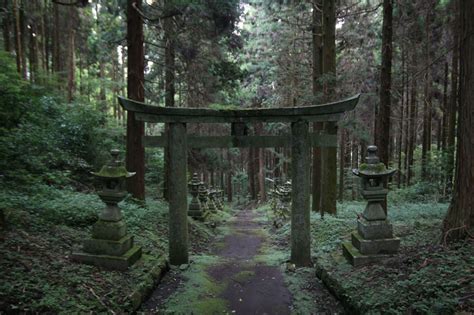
<point x="242" y="274"/>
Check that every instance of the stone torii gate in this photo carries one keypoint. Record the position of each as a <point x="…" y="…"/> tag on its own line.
<point x="300" y="140"/>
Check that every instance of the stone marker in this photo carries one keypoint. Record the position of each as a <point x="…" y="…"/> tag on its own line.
<point x="374" y="238"/>
<point x="110" y="246"/>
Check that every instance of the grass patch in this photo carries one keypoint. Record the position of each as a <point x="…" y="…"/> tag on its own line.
<point x="200" y="292"/>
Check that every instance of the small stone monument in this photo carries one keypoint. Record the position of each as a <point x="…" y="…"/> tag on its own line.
<point x="374" y="238"/>
<point x="194" y="209"/>
<point x="110" y="246"/>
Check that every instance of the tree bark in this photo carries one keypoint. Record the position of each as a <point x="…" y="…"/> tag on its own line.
<point x="316" y="89"/>
<point x="56" y="44"/>
<point x="382" y="135"/>
<point x="428" y="97"/>
<point x="342" y="156"/>
<point x="18" y="44"/>
<point x="453" y="101"/>
<point x="251" y="173"/>
<point x="412" y="131"/>
<point x="71" y="73"/>
<point x="23" y="39"/>
<point x="170" y="90"/>
<point x="459" y="221"/>
<point x="135" y="159"/>
<point x="6" y="26"/>
<point x="329" y="155"/>
<point x="102" y="94"/>
<point x="444" y="121"/>
<point x="33" y="52"/>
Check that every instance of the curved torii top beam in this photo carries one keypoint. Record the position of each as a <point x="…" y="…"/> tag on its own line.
<point x="324" y="112"/>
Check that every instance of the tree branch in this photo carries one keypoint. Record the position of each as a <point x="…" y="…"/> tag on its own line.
<point x="170" y="14"/>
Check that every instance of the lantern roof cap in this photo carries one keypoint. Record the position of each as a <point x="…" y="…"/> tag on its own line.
<point x="114" y="169"/>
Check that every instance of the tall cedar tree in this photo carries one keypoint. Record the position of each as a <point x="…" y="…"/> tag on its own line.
<point x="316" y="88"/>
<point x="382" y="134"/>
<point x="459" y="221"/>
<point x="328" y="155"/>
<point x="135" y="158"/>
<point x="170" y="91"/>
<point x="382" y="123"/>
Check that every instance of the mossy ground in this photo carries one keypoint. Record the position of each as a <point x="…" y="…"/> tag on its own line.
<point x="202" y="294"/>
<point x="46" y="225"/>
<point x="425" y="277"/>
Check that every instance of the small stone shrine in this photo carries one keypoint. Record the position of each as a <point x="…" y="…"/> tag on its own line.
<point x="110" y="246"/>
<point x="374" y="238"/>
<point x="195" y="211"/>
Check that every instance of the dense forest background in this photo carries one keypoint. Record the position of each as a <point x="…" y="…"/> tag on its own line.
<point x="72" y="57"/>
<point x="63" y="64"/>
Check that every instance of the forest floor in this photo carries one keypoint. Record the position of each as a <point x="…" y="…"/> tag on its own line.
<point x="243" y="272"/>
<point x="45" y="225"/>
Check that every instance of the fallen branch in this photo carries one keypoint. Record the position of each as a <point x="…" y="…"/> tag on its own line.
<point x="445" y="244"/>
<point x="98" y="299"/>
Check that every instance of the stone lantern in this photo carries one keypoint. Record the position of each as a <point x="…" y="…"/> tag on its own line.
<point x="110" y="246"/>
<point x="203" y="198"/>
<point x="211" y="203"/>
<point x="194" y="209"/>
<point x="374" y="238"/>
<point x="286" y="192"/>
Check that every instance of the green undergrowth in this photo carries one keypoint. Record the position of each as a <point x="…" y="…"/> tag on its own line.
<point x="45" y="225"/>
<point x="424" y="278"/>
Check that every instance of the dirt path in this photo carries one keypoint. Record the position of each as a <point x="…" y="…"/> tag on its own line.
<point x="242" y="274"/>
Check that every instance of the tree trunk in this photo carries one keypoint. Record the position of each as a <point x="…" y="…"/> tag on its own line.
<point x="382" y="135"/>
<point x="329" y="155"/>
<point x="56" y="44"/>
<point x="102" y="94"/>
<point x="170" y="91"/>
<point x="401" y="121"/>
<point x="251" y="173"/>
<point x="261" y="175"/>
<point x="342" y="158"/>
<point x="459" y="221"/>
<point x="18" y="47"/>
<point x="45" y="29"/>
<point x="354" y="165"/>
<point x="316" y="89"/>
<point x="33" y="53"/>
<point x="23" y="39"/>
<point x="6" y="26"/>
<point x="444" y="123"/>
<point x="427" y="105"/>
<point x="135" y="160"/>
<point x="453" y="101"/>
<point x="71" y="73"/>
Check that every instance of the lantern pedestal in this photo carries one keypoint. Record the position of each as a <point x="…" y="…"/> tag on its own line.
<point x="110" y="246"/>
